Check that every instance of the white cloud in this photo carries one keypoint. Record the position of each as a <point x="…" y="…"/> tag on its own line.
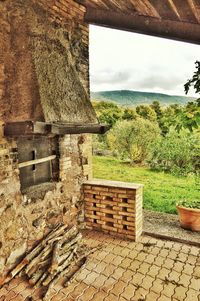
<point x="122" y="60"/>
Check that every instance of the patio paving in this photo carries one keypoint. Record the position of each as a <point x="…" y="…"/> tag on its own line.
<point x="151" y="270"/>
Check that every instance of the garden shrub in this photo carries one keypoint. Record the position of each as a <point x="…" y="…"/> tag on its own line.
<point x="132" y="139"/>
<point x="176" y="153"/>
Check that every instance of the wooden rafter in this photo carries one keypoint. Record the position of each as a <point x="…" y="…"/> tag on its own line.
<point x="143" y="7"/>
<point x="165" y="9"/>
<point x="174" y="8"/>
<point x="197" y="3"/>
<point x="91" y="3"/>
<point x="185" y="11"/>
<point x="195" y="7"/>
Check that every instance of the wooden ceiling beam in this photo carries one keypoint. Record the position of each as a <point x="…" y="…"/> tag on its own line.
<point x="176" y="30"/>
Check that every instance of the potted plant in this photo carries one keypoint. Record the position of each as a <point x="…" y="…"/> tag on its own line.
<point x="189" y="214"/>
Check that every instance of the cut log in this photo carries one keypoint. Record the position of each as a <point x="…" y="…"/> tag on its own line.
<point x="66" y="246"/>
<point x="44" y="254"/>
<point x="55" y="257"/>
<point x="37" y="275"/>
<point x="52" y="281"/>
<point x="60" y="268"/>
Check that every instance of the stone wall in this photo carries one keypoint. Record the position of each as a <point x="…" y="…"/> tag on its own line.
<point x="24" y="220"/>
<point x="43" y="76"/>
<point x="114" y="207"/>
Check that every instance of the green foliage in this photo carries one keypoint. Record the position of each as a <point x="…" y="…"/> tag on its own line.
<point x="108" y="113"/>
<point x="190" y="117"/>
<point x="176" y="153"/>
<point x="129" y="114"/>
<point x="157" y="109"/>
<point x="99" y="144"/>
<point x="161" y="190"/>
<point x="168" y="118"/>
<point x="133" y="139"/>
<point x="195" y="204"/>
<point x="195" y="80"/>
<point x="146" y="112"/>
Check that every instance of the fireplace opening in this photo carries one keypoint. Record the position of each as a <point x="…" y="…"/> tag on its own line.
<point x="38" y="158"/>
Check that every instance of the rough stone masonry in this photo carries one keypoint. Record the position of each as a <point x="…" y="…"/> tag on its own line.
<point x="43" y="77"/>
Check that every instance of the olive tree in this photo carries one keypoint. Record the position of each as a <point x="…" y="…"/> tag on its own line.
<point x="133" y="139"/>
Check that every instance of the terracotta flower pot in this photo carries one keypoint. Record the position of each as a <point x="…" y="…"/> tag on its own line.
<point x="189" y="218"/>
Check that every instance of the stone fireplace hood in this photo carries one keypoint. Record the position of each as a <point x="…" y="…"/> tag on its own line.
<point x="21" y="128"/>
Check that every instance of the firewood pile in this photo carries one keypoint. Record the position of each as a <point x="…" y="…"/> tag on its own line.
<point x="59" y="255"/>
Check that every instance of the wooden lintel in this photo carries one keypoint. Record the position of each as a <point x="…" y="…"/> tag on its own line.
<point x="25" y="128"/>
<point x="79" y="129"/>
<point x="176" y="30"/>
<point x="29" y="127"/>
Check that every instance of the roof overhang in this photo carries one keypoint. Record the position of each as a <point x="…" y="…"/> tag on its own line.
<point x="180" y="21"/>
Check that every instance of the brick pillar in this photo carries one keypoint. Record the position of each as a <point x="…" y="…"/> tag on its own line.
<point x="114" y="207"/>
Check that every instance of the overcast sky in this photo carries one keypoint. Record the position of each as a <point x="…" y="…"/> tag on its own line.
<point x="121" y="60"/>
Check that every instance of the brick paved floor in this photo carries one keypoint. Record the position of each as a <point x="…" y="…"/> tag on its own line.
<point x="150" y="270"/>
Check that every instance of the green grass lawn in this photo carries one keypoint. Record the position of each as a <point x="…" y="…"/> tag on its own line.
<point x="161" y="190"/>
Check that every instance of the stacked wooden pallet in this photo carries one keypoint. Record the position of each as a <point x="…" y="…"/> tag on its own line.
<point x="114" y="207"/>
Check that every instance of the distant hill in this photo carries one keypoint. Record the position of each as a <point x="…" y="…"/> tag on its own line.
<point x="133" y="98"/>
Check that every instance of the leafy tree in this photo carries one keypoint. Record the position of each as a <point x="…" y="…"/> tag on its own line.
<point x="129" y="114"/>
<point x="169" y="118"/>
<point x="195" y="80"/>
<point x="103" y="105"/>
<point x="146" y="112"/>
<point x="157" y="108"/>
<point x="133" y="139"/>
<point x="190" y="118"/>
<point x="108" y="112"/>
